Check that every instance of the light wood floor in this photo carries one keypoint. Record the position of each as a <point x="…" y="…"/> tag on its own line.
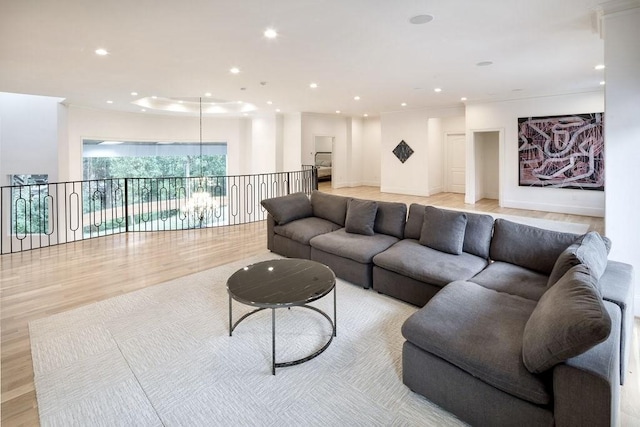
<point x="43" y="282"/>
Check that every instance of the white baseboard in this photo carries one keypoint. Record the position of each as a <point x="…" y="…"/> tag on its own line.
<point x="371" y="183"/>
<point x="403" y="190"/>
<point x="548" y="207"/>
<point x="436" y="190"/>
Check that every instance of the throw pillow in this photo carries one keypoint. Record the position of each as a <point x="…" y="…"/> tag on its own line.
<point x="361" y="216"/>
<point x="589" y="250"/>
<point x="288" y="208"/>
<point x="443" y="230"/>
<point x="569" y="319"/>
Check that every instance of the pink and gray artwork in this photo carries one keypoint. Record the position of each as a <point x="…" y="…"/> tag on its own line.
<point x="562" y="151"/>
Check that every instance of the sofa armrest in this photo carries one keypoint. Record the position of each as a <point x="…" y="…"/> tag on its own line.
<point x="271" y="223"/>
<point x="617" y="287"/>
<point x="586" y="388"/>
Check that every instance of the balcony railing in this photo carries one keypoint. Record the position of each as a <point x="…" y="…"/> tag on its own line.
<point x="41" y="215"/>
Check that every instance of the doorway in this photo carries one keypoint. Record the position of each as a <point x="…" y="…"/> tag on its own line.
<point x="486" y="161"/>
<point x="455" y="159"/>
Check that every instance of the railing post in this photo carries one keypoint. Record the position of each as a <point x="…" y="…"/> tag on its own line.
<point x="288" y="183"/>
<point x="126" y="205"/>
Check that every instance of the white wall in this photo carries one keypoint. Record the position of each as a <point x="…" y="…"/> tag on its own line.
<point x="504" y="116"/>
<point x="292" y="146"/>
<point x="28" y="136"/>
<point x="263" y="144"/>
<point x="435" y="155"/>
<point x="354" y="155"/>
<point x="412" y="177"/>
<point x="622" y="136"/>
<point x="371" y="148"/>
<point x="85" y="123"/>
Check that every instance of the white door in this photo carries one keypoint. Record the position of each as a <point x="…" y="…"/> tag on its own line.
<point x="456" y="160"/>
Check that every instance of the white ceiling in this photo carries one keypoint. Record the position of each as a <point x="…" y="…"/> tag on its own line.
<point x="183" y="49"/>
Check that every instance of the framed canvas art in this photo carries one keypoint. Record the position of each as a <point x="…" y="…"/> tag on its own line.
<point x="562" y="151"/>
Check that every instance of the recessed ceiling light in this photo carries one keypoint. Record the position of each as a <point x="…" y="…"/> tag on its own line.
<point x="602" y="83"/>
<point x="269" y="102"/>
<point x="234" y="70"/>
<point x="102" y="52"/>
<point x="438" y="90"/>
<point x="143" y="110"/>
<point x="208" y="94"/>
<point x="599" y="67"/>
<point x="154" y="97"/>
<point x="484" y="63"/>
<point x="366" y="115"/>
<point x="270" y="33"/>
<point x="337" y="111"/>
<point x="357" y="98"/>
<point x="421" y="19"/>
<point x="404" y="104"/>
<point x="313" y="85"/>
<point x="464" y="98"/>
<point x="109" y="102"/>
<point x="277" y="110"/>
<point x="180" y="102"/>
<point x="134" y="93"/>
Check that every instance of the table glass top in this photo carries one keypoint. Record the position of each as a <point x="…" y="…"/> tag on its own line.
<point x="281" y="282"/>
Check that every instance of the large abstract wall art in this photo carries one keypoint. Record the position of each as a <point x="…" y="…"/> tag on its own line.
<point x="562" y="151"/>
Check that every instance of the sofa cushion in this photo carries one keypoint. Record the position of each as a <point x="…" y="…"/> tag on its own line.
<point x="409" y="258"/>
<point x="413" y="227"/>
<point x="589" y="250"/>
<point x="305" y="229"/>
<point x="391" y="218"/>
<point x="569" y="319"/>
<point x="357" y="247"/>
<point x="479" y="331"/>
<point x="288" y="208"/>
<point x="512" y="279"/>
<point x="329" y="207"/>
<point x="477" y="236"/>
<point x="443" y="230"/>
<point x="361" y="215"/>
<point x="530" y="247"/>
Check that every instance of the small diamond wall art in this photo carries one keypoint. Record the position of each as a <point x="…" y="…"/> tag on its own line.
<point x="403" y="151"/>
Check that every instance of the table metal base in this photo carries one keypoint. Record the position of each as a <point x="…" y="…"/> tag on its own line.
<point x="274" y="364"/>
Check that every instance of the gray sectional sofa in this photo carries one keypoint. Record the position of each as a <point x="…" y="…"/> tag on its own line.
<point x="517" y="326"/>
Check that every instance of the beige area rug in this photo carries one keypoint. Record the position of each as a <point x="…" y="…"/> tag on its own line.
<point x="163" y="356"/>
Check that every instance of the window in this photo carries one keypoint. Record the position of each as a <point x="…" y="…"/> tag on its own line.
<point x="120" y="159"/>
<point x="30" y="202"/>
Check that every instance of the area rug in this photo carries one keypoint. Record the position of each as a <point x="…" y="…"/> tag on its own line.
<point x="163" y="356"/>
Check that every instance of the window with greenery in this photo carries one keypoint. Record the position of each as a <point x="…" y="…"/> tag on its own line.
<point x="29" y="204"/>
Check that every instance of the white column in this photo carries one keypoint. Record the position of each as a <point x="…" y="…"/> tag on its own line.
<point x="621" y="26"/>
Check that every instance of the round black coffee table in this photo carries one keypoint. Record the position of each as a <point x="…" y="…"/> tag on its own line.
<point x="282" y="283"/>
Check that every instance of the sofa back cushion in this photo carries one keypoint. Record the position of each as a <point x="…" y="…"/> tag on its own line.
<point x="590" y="250"/>
<point x="443" y="230"/>
<point x="477" y="236"/>
<point x="285" y="209"/>
<point x="569" y="319"/>
<point x="361" y="215"/>
<point x="530" y="247"/>
<point x="329" y="206"/>
<point x="391" y="219"/>
<point x="413" y="227"/>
